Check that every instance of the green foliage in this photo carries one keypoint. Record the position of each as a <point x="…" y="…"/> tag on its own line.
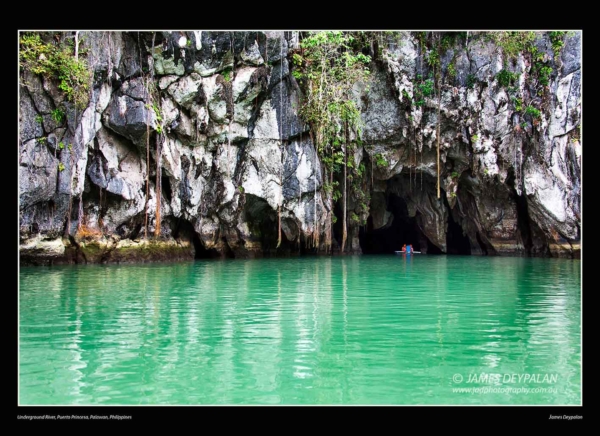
<point x="380" y="160"/>
<point x="297" y="59"/>
<point x="447" y="42"/>
<point x="189" y="42"/>
<point x="474" y="138"/>
<point x="241" y="189"/>
<point x="535" y="113"/>
<point x="157" y="112"/>
<point x="513" y="42"/>
<point x="227" y="75"/>
<point x="61" y="145"/>
<point x="61" y="166"/>
<point x="423" y="89"/>
<point x="454" y="174"/>
<point x="355" y="218"/>
<point x="450" y="39"/>
<point x="39" y="119"/>
<point x="422" y="38"/>
<point x="58" y="115"/>
<point x="56" y="61"/>
<point x="433" y="58"/>
<point x="543" y="71"/>
<point x="518" y="103"/>
<point x="336" y="195"/>
<point x="159" y="119"/>
<point x="328" y="67"/>
<point x="452" y="69"/>
<point x="42" y="140"/>
<point x="471" y="80"/>
<point x="507" y="78"/>
<point x="426" y="88"/>
<point x="558" y="42"/>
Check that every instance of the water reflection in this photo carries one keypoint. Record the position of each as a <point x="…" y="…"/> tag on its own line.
<point x="362" y="330"/>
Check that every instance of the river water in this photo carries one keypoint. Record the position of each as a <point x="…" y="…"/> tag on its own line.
<point x="312" y="330"/>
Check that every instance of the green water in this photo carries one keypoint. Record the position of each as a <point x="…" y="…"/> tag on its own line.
<point x="342" y="330"/>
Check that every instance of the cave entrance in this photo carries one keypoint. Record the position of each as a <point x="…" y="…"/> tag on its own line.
<point x="392" y="236"/>
<point x="523" y="219"/>
<point x="183" y="229"/>
<point x="263" y="223"/>
<point x="456" y="241"/>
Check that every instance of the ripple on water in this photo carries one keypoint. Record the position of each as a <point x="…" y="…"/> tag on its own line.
<point x="347" y="330"/>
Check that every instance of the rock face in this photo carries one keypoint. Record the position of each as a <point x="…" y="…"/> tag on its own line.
<point x="192" y="146"/>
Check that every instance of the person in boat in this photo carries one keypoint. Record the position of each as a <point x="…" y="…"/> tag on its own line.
<point x="409" y="249"/>
<point x="404" y="248"/>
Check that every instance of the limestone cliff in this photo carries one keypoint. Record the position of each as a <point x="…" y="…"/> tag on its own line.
<point x="212" y="119"/>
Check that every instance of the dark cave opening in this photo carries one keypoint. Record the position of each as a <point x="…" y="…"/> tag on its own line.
<point x="457" y="242"/>
<point x="402" y="230"/>
<point x="522" y="212"/>
<point x="301" y="247"/>
<point x="166" y="187"/>
<point x="184" y="229"/>
<point x="227" y="251"/>
<point x="523" y="221"/>
<point x="135" y="232"/>
<point x="264" y="226"/>
<point x="338" y="226"/>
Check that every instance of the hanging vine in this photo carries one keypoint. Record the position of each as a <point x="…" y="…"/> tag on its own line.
<point x="327" y="67"/>
<point x="153" y="107"/>
<point x="148" y="104"/>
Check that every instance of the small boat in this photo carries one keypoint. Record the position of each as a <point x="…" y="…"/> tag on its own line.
<point x="404" y="252"/>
